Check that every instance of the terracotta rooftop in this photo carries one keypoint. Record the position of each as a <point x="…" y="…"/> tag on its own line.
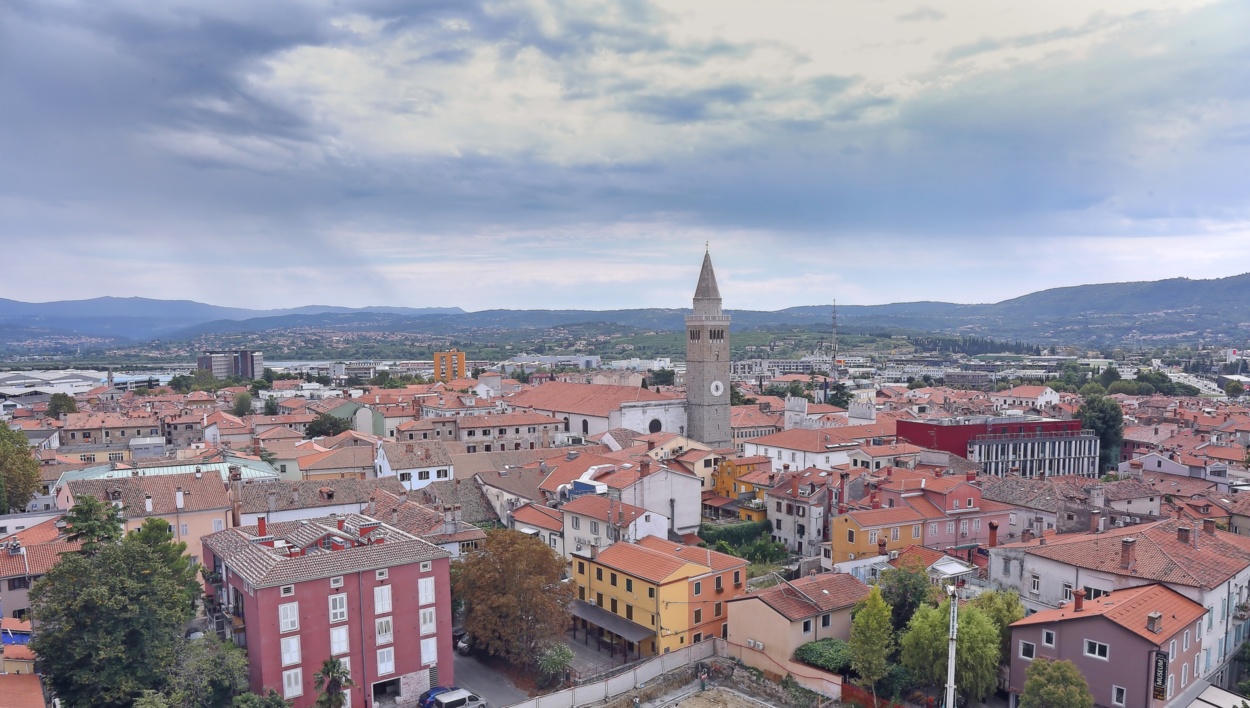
<point x="811" y="595"/>
<point x="21" y="691"/>
<point x="540" y="516"/>
<point x="1130" y="608"/>
<point x="202" y="493"/>
<point x="583" y="399"/>
<point x="647" y="564"/>
<point x="309" y="494"/>
<point x="713" y="560"/>
<point x="597" y="507"/>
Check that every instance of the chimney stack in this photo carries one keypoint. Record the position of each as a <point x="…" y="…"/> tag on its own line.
<point x="993" y="534"/>
<point x="881" y="551"/>
<point x="1154" y="622"/>
<point x="262" y="526"/>
<point x="1208" y="526"/>
<point x="1182" y="534"/>
<point x="147" y="503"/>
<point x="1128" y="553"/>
<point x="874" y="501"/>
<point x="971" y="476"/>
<point x="1078" y="601"/>
<point x="1026" y="535"/>
<point x="339" y="522"/>
<point x="644" y="467"/>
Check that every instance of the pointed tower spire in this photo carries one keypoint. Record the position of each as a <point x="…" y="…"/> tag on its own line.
<point x="707" y="290"/>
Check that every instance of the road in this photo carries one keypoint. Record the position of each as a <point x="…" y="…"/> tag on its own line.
<point x="491" y="685"/>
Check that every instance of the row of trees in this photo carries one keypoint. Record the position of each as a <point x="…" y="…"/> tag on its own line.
<point x="899" y="640"/>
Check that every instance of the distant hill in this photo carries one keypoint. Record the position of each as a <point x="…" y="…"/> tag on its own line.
<point x="1177" y="309"/>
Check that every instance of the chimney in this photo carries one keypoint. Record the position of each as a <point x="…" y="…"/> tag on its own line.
<point x="147" y="503"/>
<point x="1154" y="622"/>
<point x="403" y="497"/>
<point x="993" y="534"/>
<point x="1078" y="601"/>
<point x="456" y="512"/>
<point x="1026" y="535"/>
<point x="971" y="476"/>
<point x="295" y="496"/>
<point x="1128" y="553"/>
<point x="874" y="502"/>
<point x="644" y="467"/>
<point x="199" y="473"/>
<point x="650" y="445"/>
<point x="373" y="505"/>
<point x="1182" y="534"/>
<point x="881" y="551"/>
<point x="179" y="499"/>
<point x="273" y="500"/>
<point x="394" y="515"/>
<point x="339" y="522"/>
<point x="794" y="486"/>
<point x="1208" y="525"/>
<point x="262" y="526"/>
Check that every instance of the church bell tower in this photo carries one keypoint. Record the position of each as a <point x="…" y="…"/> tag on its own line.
<point x="707" y="364"/>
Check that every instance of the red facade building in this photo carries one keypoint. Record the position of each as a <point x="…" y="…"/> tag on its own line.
<point x="294" y="594"/>
<point x="1027" y="445"/>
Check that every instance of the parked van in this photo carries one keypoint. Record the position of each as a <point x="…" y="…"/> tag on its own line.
<point x="459" y="698"/>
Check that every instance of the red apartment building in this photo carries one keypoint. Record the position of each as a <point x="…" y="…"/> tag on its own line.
<point x="1031" y="445"/>
<point x="296" y="593"/>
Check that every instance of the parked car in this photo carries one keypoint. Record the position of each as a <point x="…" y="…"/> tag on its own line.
<point x="426" y="700"/>
<point x="459" y="698"/>
<point x="465" y="646"/>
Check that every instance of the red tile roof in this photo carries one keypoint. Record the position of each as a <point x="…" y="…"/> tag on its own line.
<point x="812" y="595"/>
<point x="583" y="399"/>
<point x="540" y="516"/>
<point x="645" y="563"/>
<point x="1129" y="609"/>
<point x="21" y="691"/>
<point x="714" y="560"/>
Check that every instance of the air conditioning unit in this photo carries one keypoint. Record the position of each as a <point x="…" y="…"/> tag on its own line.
<point x="579" y="546"/>
<point x="850" y="556"/>
<point x="964" y="534"/>
<point x="759" y="645"/>
<point x="893" y="555"/>
<point x="750" y="643"/>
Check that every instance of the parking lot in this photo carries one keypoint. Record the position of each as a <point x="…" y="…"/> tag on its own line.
<point x="487" y="683"/>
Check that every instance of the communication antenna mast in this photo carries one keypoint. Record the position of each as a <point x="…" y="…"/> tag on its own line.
<point x="834" y="355"/>
<point x="950" y="652"/>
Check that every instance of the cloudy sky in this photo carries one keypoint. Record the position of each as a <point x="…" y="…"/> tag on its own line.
<point x="581" y="153"/>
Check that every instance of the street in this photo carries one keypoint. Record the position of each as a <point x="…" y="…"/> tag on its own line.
<point x="487" y="683"/>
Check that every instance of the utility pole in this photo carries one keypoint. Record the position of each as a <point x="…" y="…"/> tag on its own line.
<point x="950" y="656"/>
<point x="833" y="356"/>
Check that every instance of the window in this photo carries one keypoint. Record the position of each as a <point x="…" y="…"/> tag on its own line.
<point x="1035" y="585"/>
<point x="581" y="568"/>
<point x="182" y="529"/>
<point x="338" y="640"/>
<point x="629" y="584"/>
<point x="850" y="535"/>
<point x="383" y="630"/>
<point x="1067" y="592"/>
<point x="971" y="505"/>
<point x="1048" y="638"/>
<point x="1172" y="650"/>
<point x="336" y="581"/>
<point x="1118" y="695"/>
<point x="825" y="619"/>
<point x="288" y="590"/>
<point x="594" y="527"/>
<point x="698" y="616"/>
<point x="629" y="612"/>
<point x="290" y="651"/>
<point x="717" y="609"/>
<point x="386" y="660"/>
<point x="429" y="651"/>
<point x="1098" y="650"/>
<point x="894" y="534"/>
<point x="382" y="599"/>
<point x="698" y="588"/>
<point x="872" y="537"/>
<point x="612" y="579"/>
<point x="288" y="617"/>
<point x="737" y="577"/>
<point x="1028" y="650"/>
<point x="1185" y="641"/>
<point x="1093" y="593"/>
<point x="218" y="525"/>
<point x="915" y="531"/>
<point x="651" y="593"/>
<point x="338" y="608"/>
<point x="1184" y="675"/>
<point x="932" y="529"/>
<point x="1171" y="684"/>
<point x="599" y="574"/>
<point x="956" y="504"/>
<point x="426" y="566"/>
<point x="425" y="591"/>
<point x="807" y="626"/>
<point x="292" y="683"/>
<point x="950" y="527"/>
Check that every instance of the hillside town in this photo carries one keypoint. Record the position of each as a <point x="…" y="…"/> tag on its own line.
<point x="461" y="533"/>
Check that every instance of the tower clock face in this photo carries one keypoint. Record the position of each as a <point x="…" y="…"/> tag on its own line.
<point x="717" y="388"/>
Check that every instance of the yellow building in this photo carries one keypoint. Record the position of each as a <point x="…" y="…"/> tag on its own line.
<point x="449" y="366"/>
<point x="654" y="596"/>
<point x="870" y="532"/>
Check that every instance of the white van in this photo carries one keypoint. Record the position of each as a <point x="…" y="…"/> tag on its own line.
<point x="459" y="698"/>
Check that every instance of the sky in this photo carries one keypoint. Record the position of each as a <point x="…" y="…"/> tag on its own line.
<point x="582" y="154"/>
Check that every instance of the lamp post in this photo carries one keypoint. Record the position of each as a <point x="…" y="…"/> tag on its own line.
<point x="950" y="655"/>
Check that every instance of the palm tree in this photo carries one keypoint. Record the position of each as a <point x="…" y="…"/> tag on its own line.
<point x="336" y="679"/>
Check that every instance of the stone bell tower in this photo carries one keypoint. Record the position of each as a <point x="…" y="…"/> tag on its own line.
<point x="707" y="364"/>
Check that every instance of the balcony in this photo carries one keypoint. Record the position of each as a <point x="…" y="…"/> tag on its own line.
<point x="754" y="504"/>
<point x="1241" y="612"/>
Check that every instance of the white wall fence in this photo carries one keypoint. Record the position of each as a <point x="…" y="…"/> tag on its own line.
<point x="624" y="682"/>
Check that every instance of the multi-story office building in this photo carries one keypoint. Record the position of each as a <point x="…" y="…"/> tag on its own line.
<point x="1030" y="445"/>
<point x="244" y="363"/>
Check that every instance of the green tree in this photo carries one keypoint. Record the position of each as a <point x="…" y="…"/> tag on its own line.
<point x="207" y="673"/>
<point x="152" y="699"/>
<point x="60" y="404"/>
<point x="839" y="395"/>
<point x="554" y="661"/>
<point x="663" y="377"/>
<point x="1002" y="608"/>
<point x="924" y="646"/>
<point x="19" y="469"/>
<point x="109" y="624"/>
<point x="158" y="535"/>
<point x="1091" y="389"/>
<point x="267" y="375"/>
<point x="872" y="640"/>
<point x="332" y="680"/>
<point x="905" y="588"/>
<point x="1105" y="417"/>
<point x="1108" y="376"/>
<point x="94" y="523"/>
<point x="737" y="398"/>
<point x="242" y="404"/>
<point x="269" y="700"/>
<point x="1055" y="684"/>
<point x="1234" y="389"/>
<point x="327" y="426"/>
<point x="513" y="595"/>
<point x="833" y="655"/>
<point x="271" y="406"/>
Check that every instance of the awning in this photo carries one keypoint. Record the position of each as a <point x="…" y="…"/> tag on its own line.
<point x="613" y="623"/>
